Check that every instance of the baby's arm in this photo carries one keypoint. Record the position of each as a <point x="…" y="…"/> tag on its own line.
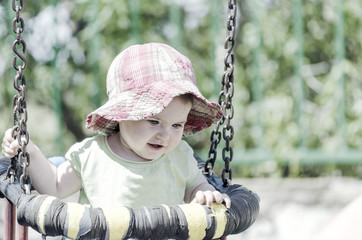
<point x="46" y="178"/>
<point x="204" y="193"/>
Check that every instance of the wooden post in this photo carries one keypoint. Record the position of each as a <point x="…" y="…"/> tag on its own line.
<point x="22" y="232"/>
<point x="9" y="231"/>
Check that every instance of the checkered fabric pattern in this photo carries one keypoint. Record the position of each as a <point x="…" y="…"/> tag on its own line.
<point x="142" y="80"/>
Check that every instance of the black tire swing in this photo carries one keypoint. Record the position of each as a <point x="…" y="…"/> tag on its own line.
<point x="53" y="217"/>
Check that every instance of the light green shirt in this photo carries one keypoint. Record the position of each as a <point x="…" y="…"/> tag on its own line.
<point x="109" y="180"/>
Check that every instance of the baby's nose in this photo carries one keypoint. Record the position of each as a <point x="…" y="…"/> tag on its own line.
<point x="163" y="134"/>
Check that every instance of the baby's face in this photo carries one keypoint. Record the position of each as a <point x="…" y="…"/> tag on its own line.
<point x="149" y="139"/>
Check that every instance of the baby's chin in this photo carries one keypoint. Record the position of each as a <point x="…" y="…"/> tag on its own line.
<point x="153" y="157"/>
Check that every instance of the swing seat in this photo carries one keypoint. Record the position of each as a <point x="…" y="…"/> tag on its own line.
<point x="53" y="217"/>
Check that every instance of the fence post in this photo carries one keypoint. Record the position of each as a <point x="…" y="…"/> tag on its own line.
<point x="95" y="53"/>
<point x="257" y="83"/>
<point x="57" y="92"/>
<point x="340" y="56"/>
<point x="176" y="21"/>
<point x="135" y="18"/>
<point x="214" y="35"/>
<point x="298" y="64"/>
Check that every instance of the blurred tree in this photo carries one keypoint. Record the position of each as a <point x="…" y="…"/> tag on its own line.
<point x="77" y="40"/>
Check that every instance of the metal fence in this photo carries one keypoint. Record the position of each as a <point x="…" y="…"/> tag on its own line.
<point x="304" y="150"/>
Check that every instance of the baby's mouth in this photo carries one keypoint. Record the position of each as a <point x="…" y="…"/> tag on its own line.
<point x="156" y="146"/>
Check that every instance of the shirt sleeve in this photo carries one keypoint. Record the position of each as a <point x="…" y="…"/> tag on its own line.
<point x="73" y="158"/>
<point x="190" y="165"/>
<point x="77" y="152"/>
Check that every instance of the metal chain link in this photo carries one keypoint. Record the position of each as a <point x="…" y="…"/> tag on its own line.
<point x="19" y="131"/>
<point x="225" y="101"/>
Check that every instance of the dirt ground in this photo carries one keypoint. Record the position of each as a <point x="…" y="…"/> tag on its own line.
<point x="290" y="209"/>
<point x="297" y="209"/>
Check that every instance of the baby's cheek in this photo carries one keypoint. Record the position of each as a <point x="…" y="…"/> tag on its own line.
<point x="175" y="141"/>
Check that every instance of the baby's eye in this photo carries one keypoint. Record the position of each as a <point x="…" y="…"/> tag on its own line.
<point x="177" y="125"/>
<point x="153" y="122"/>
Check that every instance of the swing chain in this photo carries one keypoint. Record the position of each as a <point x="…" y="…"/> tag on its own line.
<point x="20" y="115"/>
<point x="225" y="101"/>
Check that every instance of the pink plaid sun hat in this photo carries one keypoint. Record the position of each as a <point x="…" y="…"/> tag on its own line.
<point x="142" y="80"/>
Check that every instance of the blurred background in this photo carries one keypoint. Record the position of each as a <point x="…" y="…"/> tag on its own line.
<point x="297" y="99"/>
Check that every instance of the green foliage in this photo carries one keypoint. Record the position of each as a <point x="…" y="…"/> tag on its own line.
<point x="268" y="115"/>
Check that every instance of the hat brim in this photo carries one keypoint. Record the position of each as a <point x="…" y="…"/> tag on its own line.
<point x="149" y="100"/>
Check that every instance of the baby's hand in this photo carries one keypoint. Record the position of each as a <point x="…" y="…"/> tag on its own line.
<point x="9" y="146"/>
<point x="208" y="197"/>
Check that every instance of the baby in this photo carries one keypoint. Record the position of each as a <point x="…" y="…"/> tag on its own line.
<point x="139" y="157"/>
